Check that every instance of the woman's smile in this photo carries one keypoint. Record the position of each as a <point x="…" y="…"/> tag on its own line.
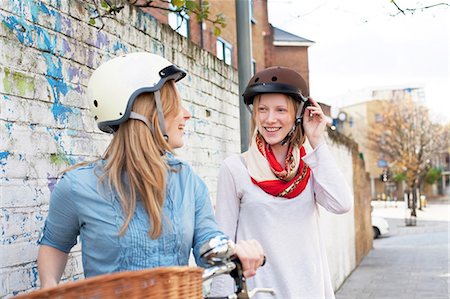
<point x="273" y="118"/>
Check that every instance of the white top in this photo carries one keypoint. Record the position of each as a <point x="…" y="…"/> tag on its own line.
<point x="288" y="229"/>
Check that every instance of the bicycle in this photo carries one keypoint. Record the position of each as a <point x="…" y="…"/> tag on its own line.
<point x="163" y="282"/>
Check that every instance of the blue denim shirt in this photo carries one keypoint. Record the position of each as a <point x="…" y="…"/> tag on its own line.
<point x="80" y="205"/>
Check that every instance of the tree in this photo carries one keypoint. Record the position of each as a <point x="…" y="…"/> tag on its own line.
<point x="408" y="140"/>
<point x="412" y="10"/>
<point x="433" y="175"/>
<point x="110" y="8"/>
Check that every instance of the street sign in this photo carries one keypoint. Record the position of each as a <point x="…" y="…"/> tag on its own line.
<point x="382" y="163"/>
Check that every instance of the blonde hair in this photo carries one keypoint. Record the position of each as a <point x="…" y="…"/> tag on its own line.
<point x="298" y="137"/>
<point x="135" y="163"/>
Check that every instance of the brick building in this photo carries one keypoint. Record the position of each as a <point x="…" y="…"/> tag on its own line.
<point x="367" y="113"/>
<point x="271" y="46"/>
<point x="288" y="50"/>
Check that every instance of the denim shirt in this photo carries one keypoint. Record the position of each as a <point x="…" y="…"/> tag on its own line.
<point x="80" y="205"/>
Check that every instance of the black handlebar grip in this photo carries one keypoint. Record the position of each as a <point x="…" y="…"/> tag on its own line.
<point x="236" y="260"/>
<point x="264" y="261"/>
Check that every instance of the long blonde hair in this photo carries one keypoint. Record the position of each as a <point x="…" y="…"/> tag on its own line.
<point x="134" y="161"/>
<point x="298" y="137"/>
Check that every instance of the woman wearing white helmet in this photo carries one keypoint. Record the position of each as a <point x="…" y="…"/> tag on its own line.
<point x="138" y="206"/>
<point x="271" y="192"/>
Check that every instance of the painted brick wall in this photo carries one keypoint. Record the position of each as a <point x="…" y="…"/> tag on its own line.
<point x="48" y="52"/>
<point x="338" y="231"/>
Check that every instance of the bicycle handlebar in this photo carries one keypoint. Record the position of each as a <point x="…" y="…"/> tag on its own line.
<point x="218" y="252"/>
<point x="214" y="271"/>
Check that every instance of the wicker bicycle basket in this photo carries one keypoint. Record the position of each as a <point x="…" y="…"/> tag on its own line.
<point x="164" y="282"/>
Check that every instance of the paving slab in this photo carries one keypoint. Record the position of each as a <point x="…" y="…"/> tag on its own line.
<point x="411" y="262"/>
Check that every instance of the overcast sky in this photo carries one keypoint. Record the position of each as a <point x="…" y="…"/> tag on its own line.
<point x="359" y="45"/>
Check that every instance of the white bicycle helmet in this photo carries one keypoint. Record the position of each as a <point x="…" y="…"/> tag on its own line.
<point x="114" y="86"/>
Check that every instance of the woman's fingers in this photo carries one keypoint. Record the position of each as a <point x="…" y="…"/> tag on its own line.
<point x="243" y="255"/>
<point x="313" y="110"/>
<point x="314" y="123"/>
<point x="251" y="255"/>
<point x="313" y="102"/>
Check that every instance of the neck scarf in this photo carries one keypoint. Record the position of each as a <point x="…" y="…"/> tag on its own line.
<point x="265" y="171"/>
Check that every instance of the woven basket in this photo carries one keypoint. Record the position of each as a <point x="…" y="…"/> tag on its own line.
<point x="164" y="282"/>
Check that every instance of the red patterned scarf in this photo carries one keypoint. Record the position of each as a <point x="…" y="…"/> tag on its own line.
<point x="269" y="175"/>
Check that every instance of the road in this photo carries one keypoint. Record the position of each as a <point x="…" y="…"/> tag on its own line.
<point x="412" y="262"/>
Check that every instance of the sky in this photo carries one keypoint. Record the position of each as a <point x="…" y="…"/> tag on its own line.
<point x="360" y="46"/>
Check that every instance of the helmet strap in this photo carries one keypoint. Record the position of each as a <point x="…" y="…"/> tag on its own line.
<point x="159" y="110"/>
<point x="298" y="121"/>
<point x="142" y="118"/>
<point x="288" y="136"/>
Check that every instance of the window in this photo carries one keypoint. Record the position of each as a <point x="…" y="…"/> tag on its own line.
<point x="224" y="51"/>
<point x="179" y="22"/>
<point x="378" y="118"/>
<point x="252" y="17"/>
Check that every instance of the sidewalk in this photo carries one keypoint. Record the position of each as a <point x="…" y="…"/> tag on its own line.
<point x="412" y="262"/>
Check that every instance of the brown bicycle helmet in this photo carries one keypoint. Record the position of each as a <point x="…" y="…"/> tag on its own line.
<point x="276" y="79"/>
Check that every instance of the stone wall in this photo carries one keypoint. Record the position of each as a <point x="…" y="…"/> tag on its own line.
<point x="363" y="209"/>
<point x="360" y="233"/>
<point x="48" y="52"/>
<point x="339" y="230"/>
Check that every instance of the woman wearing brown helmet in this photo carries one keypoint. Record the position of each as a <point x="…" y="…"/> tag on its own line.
<point x="271" y="192"/>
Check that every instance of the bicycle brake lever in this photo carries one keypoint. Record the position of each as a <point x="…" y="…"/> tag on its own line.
<point x="239" y="279"/>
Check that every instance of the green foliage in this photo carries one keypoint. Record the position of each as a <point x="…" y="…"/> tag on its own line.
<point x="190" y="5"/>
<point x="178" y="3"/>
<point x="399" y="177"/>
<point x="181" y="7"/>
<point x="217" y="31"/>
<point x="104" y="5"/>
<point x="202" y="13"/>
<point x="110" y="8"/>
<point x="433" y="175"/>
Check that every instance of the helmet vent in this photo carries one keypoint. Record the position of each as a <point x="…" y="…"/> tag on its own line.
<point x="95" y="103"/>
<point x="257" y="79"/>
<point x="274" y="78"/>
<point x="95" y="117"/>
<point x="120" y="113"/>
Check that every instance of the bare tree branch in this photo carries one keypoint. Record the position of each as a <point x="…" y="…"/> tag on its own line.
<point x="182" y="8"/>
<point x="414" y="9"/>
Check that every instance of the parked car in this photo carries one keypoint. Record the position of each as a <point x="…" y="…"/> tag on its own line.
<point x="380" y="227"/>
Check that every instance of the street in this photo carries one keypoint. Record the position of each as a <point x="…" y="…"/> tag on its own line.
<point x="411" y="262"/>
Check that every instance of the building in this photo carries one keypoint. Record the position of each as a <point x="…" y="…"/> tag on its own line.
<point x="286" y="49"/>
<point x="355" y="119"/>
<point x="270" y="45"/>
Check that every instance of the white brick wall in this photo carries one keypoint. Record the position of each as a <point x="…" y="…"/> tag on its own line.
<point x="48" y="51"/>
<point x="339" y="230"/>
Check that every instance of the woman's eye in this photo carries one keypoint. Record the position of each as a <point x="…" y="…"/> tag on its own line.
<point x="262" y="109"/>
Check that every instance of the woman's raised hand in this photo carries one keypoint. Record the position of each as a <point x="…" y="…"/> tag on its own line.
<point x="314" y="123"/>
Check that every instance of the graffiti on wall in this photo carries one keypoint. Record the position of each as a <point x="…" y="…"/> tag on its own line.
<point x="48" y="53"/>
